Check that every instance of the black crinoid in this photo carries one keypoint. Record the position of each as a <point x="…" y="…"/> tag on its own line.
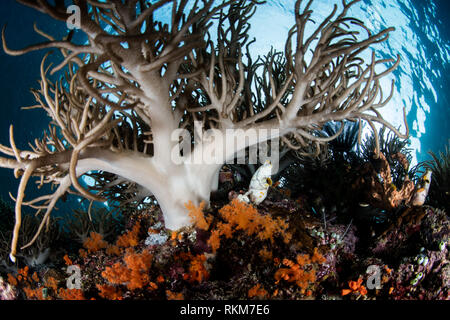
<point x="438" y="196"/>
<point x="307" y="171"/>
<point x="324" y="176"/>
<point x="345" y="146"/>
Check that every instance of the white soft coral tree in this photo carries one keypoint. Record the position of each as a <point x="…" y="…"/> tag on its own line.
<point x="137" y="80"/>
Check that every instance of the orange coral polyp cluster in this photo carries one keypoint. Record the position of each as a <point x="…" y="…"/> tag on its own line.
<point x="131" y="238"/>
<point x="109" y="292"/>
<point x="71" y="294"/>
<point x="31" y="286"/>
<point x="94" y="242"/>
<point x="257" y="291"/>
<point x="133" y="272"/>
<point x="302" y="272"/>
<point x="240" y="216"/>
<point x="197" y="216"/>
<point x="355" y="287"/>
<point x="174" y="295"/>
<point x="197" y="270"/>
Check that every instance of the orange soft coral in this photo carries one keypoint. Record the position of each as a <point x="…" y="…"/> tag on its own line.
<point x="33" y="294"/>
<point x="27" y="283"/>
<point x="197" y="270"/>
<point x="67" y="260"/>
<point x="240" y="216"/>
<point x="116" y="274"/>
<point x="317" y="257"/>
<point x="22" y="274"/>
<point x="113" y="250"/>
<point x="133" y="273"/>
<point x="214" y="240"/>
<point x="94" y="242"/>
<point x="138" y="264"/>
<point x="265" y="254"/>
<point x="51" y="283"/>
<point x="131" y="238"/>
<point x="12" y="280"/>
<point x="303" y="272"/>
<point x="35" y="277"/>
<point x="258" y="292"/>
<point x="355" y="286"/>
<point x="22" y="277"/>
<point x="109" y="292"/>
<point x="174" y="295"/>
<point x="71" y="294"/>
<point x="197" y="216"/>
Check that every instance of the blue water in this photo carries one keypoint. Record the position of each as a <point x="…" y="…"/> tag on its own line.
<point x="422" y="38"/>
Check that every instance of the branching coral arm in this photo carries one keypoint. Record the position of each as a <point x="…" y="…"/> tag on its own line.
<point x="20" y="195"/>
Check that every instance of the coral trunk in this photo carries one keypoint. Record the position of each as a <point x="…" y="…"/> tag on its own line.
<point x="172" y="185"/>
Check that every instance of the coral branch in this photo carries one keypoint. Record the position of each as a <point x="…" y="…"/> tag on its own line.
<point x="138" y="80"/>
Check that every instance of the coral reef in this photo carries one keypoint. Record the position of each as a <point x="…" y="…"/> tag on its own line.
<point x="366" y="240"/>
<point x="341" y="219"/>
<point x="277" y="250"/>
<point x="138" y="80"/>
